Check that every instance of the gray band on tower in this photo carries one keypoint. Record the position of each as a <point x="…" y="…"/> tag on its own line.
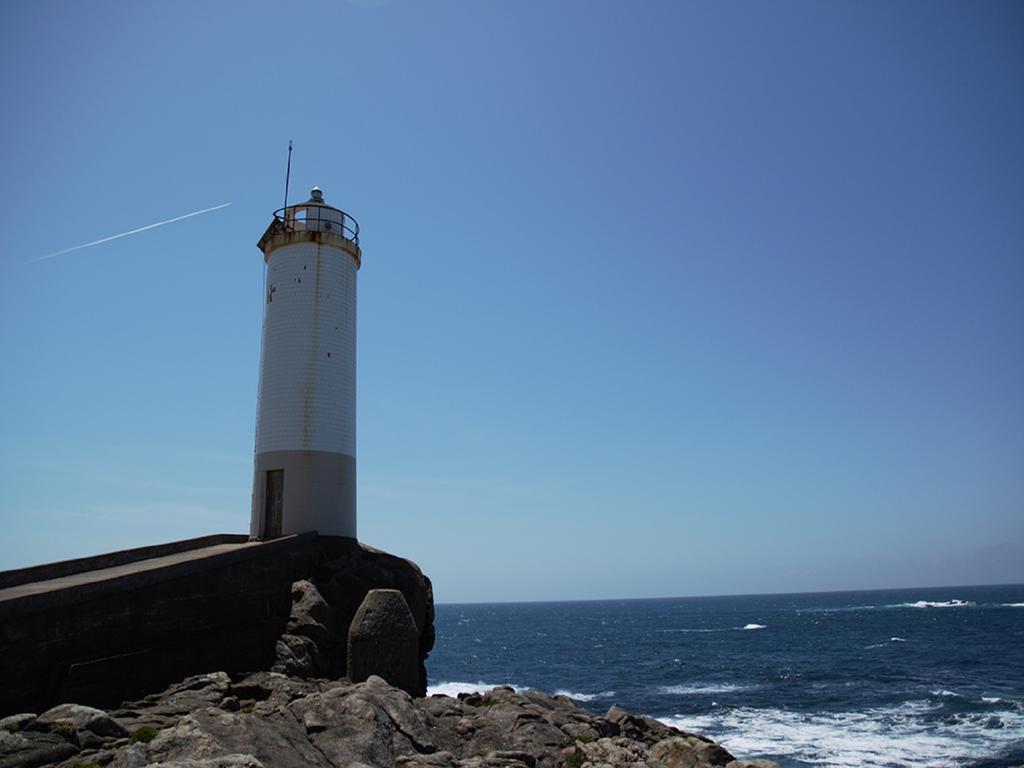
<point x="313" y="481"/>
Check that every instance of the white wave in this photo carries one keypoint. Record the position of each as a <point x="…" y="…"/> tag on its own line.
<point x="718" y="629"/>
<point x="874" y="738"/>
<point x="585" y="696"/>
<point x="453" y="689"/>
<point x="1000" y="701"/>
<point x="930" y="604"/>
<point x="1013" y="605"/>
<point x="886" y="643"/>
<point x="715" y="629"/>
<point x="845" y="609"/>
<point x="945" y="694"/>
<point x="698" y="689"/>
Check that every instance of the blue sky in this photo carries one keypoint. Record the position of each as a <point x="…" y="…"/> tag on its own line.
<point x="665" y="298"/>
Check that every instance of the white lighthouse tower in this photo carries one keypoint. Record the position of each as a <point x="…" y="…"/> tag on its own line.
<point x="305" y="465"/>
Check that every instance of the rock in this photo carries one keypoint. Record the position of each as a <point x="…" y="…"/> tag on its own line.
<point x="344" y="576"/>
<point x="383" y="641"/>
<point x="227" y="761"/>
<point x="712" y="754"/>
<point x="639" y="728"/>
<point x="14" y="723"/>
<point x="511" y="756"/>
<point x="82" y="718"/>
<point x="309" y="607"/>
<point x="675" y="752"/>
<point x="270" y="720"/>
<point x="29" y="749"/>
<point x="617" y="751"/>
<point x="324" y="602"/>
<point x="297" y="655"/>
<point x="312" y="644"/>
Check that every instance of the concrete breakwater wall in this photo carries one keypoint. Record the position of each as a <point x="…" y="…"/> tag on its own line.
<point x="102" y="630"/>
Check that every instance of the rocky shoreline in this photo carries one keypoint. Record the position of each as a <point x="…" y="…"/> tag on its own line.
<point x="274" y="720"/>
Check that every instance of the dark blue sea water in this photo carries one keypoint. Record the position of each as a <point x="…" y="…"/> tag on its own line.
<point x="919" y="677"/>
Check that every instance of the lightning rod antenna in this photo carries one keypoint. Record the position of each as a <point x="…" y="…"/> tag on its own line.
<point x="287" y="178"/>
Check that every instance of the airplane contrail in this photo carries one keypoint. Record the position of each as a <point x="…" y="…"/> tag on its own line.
<point x="125" y="234"/>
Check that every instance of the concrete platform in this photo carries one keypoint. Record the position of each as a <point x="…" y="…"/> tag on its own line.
<point x="118" y="571"/>
<point x="103" y="629"/>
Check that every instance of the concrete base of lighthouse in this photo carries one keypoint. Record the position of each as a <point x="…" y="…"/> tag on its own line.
<point x="299" y="491"/>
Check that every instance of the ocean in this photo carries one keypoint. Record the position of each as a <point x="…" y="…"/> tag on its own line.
<point x="910" y="677"/>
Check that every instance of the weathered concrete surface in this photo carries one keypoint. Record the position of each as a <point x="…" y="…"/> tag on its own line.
<point x="99" y="637"/>
<point x="37" y="573"/>
<point x="10" y="595"/>
<point x="131" y="626"/>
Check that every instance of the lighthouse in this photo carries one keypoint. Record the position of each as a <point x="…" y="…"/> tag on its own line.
<point x="304" y="475"/>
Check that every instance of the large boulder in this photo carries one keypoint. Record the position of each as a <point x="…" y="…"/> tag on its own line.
<point x="80" y="718"/>
<point x="383" y="641"/>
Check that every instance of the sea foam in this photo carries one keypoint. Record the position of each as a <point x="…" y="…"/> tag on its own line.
<point x="881" y="737"/>
<point x="932" y="604"/>
<point x="585" y="696"/>
<point x="702" y="688"/>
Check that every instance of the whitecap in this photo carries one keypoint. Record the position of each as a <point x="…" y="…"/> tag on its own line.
<point x="945" y="693"/>
<point x="878" y="737"/>
<point x="886" y="643"/>
<point x="720" y="629"/>
<point x="453" y="689"/>
<point x="702" y="688"/>
<point x="936" y="604"/>
<point x="713" y="629"/>
<point x="844" y="609"/>
<point x="1013" y="605"/>
<point x="999" y="701"/>
<point x="585" y="696"/>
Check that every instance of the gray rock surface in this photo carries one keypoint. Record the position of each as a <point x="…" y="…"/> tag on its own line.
<point x="383" y="641"/>
<point x="15" y="723"/>
<point x="28" y="749"/>
<point x="270" y="720"/>
<point x="81" y="718"/>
